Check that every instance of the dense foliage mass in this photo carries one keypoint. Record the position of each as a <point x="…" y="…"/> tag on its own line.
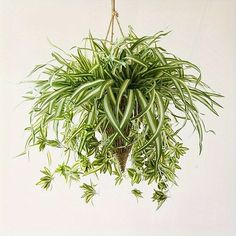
<point x="107" y="102"/>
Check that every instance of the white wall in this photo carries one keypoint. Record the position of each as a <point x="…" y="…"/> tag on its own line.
<point x="203" y="204"/>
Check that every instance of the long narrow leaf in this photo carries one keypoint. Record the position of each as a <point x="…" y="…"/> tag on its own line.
<point x="111" y="117"/>
<point x="157" y="130"/>
<point x="77" y="94"/>
<point x="121" y="92"/>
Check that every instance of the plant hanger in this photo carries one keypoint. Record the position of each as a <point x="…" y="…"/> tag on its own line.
<point x="114" y="17"/>
<point x="120" y="110"/>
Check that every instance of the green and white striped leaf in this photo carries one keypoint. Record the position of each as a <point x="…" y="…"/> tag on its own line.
<point x="111" y="117"/>
<point x="151" y="123"/>
<point x="78" y="93"/>
<point x="122" y="90"/>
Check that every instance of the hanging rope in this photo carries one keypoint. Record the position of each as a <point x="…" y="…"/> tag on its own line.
<point x="114" y="16"/>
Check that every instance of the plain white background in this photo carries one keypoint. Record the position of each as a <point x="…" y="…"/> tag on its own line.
<point x="203" y="31"/>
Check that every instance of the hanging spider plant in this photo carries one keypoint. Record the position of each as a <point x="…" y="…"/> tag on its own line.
<point x="109" y="103"/>
<point x="112" y="101"/>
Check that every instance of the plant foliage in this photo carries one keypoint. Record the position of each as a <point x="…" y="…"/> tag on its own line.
<point x="107" y="102"/>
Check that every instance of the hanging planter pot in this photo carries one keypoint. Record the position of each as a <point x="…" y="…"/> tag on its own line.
<point x="110" y="103"/>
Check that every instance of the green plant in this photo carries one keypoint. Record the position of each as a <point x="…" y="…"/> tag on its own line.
<point x="109" y="102"/>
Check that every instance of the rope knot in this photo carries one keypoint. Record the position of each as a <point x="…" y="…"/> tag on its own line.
<point x="114" y="17"/>
<point x="115" y="13"/>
